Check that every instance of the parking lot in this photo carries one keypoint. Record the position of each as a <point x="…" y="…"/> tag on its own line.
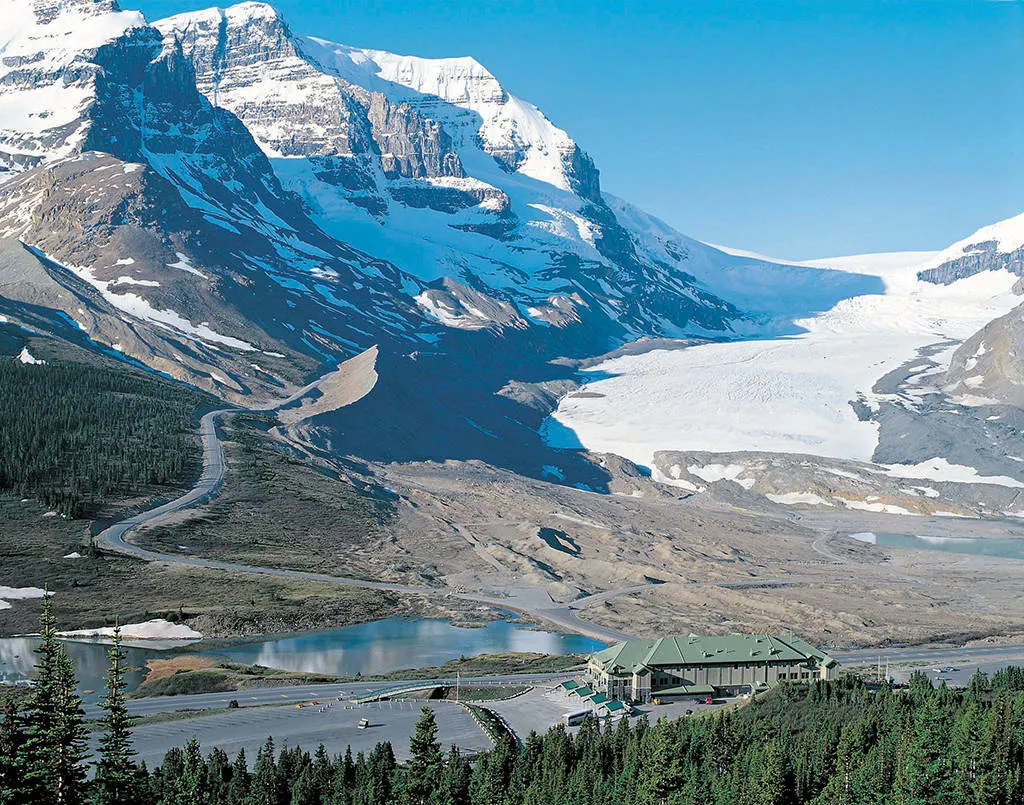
<point x="543" y="707"/>
<point x="336" y="728"/>
<point x="335" y="723"/>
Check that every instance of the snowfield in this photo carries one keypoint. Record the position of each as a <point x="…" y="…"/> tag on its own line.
<point x="158" y="629"/>
<point x="8" y="594"/>
<point x="791" y="394"/>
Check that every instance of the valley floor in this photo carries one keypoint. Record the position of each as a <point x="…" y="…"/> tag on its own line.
<point x="643" y="560"/>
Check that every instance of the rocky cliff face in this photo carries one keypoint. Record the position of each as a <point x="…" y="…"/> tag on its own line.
<point x="432" y="164"/>
<point x="998" y="247"/>
<point x="249" y="188"/>
<point x="165" y="206"/>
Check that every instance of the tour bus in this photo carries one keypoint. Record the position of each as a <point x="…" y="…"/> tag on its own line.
<point x="576" y="717"/>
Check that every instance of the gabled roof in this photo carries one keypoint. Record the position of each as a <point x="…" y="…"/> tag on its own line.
<point x="696" y="650"/>
<point x="686" y="690"/>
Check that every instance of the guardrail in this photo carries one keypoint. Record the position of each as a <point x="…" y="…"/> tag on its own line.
<point x="493" y="725"/>
<point x="388" y="693"/>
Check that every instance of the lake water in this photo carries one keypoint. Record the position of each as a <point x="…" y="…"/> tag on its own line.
<point x="367" y="648"/>
<point x="388" y="645"/>
<point x="1006" y="548"/>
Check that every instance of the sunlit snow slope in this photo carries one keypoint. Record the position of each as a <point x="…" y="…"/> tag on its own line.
<point x="810" y="393"/>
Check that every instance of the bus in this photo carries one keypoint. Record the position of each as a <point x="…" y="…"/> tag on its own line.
<point x="576" y="717"/>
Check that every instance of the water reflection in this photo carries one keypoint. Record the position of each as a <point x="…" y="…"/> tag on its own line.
<point x="368" y="648"/>
<point x="18" y="660"/>
<point x="388" y="645"/>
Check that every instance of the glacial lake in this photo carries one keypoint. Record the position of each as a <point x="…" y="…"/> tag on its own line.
<point x="366" y="648"/>
<point x="1006" y="548"/>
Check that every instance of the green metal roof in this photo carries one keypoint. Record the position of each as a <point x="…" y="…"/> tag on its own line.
<point x="614" y="706"/>
<point x="685" y="690"/>
<point x="570" y="684"/>
<point x="582" y="692"/>
<point x="695" y="650"/>
<point x="598" y="698"/>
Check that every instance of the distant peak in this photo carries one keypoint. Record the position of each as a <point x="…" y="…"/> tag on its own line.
<point x="253" y="9"/>
<point x="48" y="10"/>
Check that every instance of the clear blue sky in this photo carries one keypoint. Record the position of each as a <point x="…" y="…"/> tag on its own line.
<point x="800" y="129"/>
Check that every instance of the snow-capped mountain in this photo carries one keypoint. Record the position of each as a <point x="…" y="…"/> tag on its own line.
<point x="996" y="247"/>
<point x="433" y="165"/>
<point x="920" y="378"/>
<point x="242" y="208"/>
<point x="214" y="188"/>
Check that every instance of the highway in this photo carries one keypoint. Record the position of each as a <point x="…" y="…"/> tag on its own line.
<point x="114" y="539"/>
<point x="296" y="694"/>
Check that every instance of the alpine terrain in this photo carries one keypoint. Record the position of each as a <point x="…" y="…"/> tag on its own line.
<point x="406" y="287"/>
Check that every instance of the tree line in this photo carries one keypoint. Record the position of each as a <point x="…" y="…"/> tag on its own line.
<point x="829" y="743"/>
<point x="73" y="435"/>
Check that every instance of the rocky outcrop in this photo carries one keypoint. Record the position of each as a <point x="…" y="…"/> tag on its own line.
<point x="364" y="135"/>
<point x="988" y="368"/>
<point x="984" y="256"/>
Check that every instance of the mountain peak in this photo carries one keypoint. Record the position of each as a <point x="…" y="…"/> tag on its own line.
<point x="47" y="11"/>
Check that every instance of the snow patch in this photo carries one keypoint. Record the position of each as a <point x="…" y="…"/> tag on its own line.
<point x="27" y="358"/>
<point x="939" y="469"/>
<point x="158" y="629"/>
<point x="721" y="472"/>
<point x="795" y="498"/>
<point x="8" y="594"/>
<point x="184" y="264"/>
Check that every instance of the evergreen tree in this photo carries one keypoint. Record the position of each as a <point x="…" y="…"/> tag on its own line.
<point x="192" y="783"/>
<point x="38" y="749"/>
<point x="238" y="788"/>
<point x="54" y="750"/>
<point x="70" y="735"/>
<point x="12" y="741"/>
<point x="423" y="775"/>
<point x="115" y="770"/>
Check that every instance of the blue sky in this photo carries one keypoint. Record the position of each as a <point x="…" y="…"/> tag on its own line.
<point x="799" y="129"/>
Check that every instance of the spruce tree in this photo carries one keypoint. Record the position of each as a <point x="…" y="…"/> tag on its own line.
<point x="70" y="750"/>
<point x="38" y="749"/>
<point x="116" y="770"/>
<point x="423" y="775"/>
<point x="12" y="740"/>
<point x="238" y="788"/>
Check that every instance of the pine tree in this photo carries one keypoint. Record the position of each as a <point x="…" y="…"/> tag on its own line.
<point x="71" y="752"/>
<point x="38" y="749"/>
<point x="191" y="787"/>
<point x="12" y="740"/>
<point x="238" y="788"/>
<point x="423" y="775"/>
<point x="115" y="770"/>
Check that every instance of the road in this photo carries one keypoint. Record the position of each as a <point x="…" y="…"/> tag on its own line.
<point x="305" y="693"/>
<point x="966" y="659"/>
<point x="533" y="604"/>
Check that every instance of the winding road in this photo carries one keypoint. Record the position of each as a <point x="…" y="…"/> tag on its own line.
<point x="114" y="539"/>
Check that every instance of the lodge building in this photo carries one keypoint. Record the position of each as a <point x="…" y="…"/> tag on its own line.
<point x="674" y="667"/>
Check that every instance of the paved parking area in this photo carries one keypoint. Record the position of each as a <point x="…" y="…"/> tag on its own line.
<point x="543" y="707"/>
<point x="336" y="728"/>
<point x="536" y="710"/>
